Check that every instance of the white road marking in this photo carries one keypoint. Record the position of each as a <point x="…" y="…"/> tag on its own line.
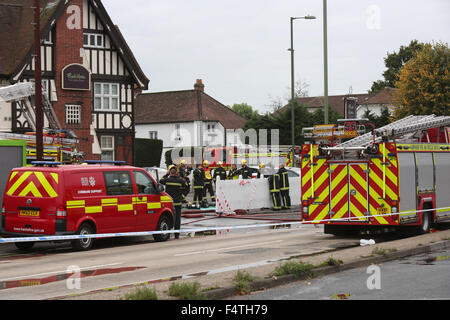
<point x="53" y="272"/>
<point x="227" y="248"/>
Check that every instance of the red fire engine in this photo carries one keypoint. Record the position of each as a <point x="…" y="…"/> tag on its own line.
<point x="395" y="176"/>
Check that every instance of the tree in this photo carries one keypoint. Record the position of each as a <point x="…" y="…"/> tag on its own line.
<point x="379" y="121"/>
<point x="394" y="63"/>
<point x="244" y="110"/>
<point x="423" y="83"/>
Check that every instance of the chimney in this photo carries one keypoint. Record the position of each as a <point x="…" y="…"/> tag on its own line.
<point x="199" y="85"/>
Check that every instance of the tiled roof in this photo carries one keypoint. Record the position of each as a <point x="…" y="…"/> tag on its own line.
<point x="184" y="106"/>
<point x="16" y="30"/>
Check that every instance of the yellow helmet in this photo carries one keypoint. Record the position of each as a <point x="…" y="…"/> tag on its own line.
<point x="205" y="163"/>
<point x="220" y="163"/>
<point x="243" y="161"/>
<point x="261" y="165"/>
<point x="183" y="162"/>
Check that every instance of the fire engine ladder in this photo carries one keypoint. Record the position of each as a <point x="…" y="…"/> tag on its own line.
<point x="20" y="93"/>
<point x="394" y="130"/>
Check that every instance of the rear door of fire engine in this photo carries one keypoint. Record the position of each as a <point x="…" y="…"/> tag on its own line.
<point x="348" y="192"/>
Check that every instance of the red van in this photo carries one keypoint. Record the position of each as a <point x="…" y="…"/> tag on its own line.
<point x="95" y="198"/>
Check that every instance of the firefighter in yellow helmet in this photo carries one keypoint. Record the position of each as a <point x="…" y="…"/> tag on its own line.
<point x="208" y="183"/>
<point x="244" y="171"/>
<point x="220" y="172"/>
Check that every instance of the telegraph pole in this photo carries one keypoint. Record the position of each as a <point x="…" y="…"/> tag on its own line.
<point x="38" y="81"/>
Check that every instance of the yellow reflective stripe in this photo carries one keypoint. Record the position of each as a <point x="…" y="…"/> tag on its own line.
<point x="125" y="207"/>
<point x="321" y="215"/>
<point x="44" y="183"/>
<point x="154" y="205"/>
<point x="75" y="204"/>
<point x="97" y="209"/>
<point x="109" y="202"/>
<point x="17" y="184"/>
<point x="166" y="199"/>
<point x="55" y="176"/>
<point x="13" y="175"/>
<point x="31" y="188"/>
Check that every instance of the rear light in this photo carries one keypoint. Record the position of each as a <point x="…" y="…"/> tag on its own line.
<point x="61" y="213"/>
<point x="3" y="211"/>
<point x="394" y="210"/>
<point x="305" y="209"/>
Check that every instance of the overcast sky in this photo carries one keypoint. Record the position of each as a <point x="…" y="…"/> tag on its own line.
<point x="239" y="48"/>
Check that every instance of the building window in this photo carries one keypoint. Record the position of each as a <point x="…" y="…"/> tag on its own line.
<point x="107" y="146"/>
<point x="48" y="38"/>
<point x="106" y="96"/>
<point x="153" y="134"/>
<point x="211" y="127"/>
<point x="73" y="114"/>
<point x="93" y="40"/>
<point x="177" y="130"/>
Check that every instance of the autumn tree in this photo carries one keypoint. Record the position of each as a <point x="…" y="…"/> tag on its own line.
<point x="423" y="83"/>
<point x="394" y="62"/>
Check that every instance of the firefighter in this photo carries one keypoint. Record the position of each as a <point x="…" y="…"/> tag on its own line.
<point x="208" y="183"/>
<point x="284" y="187"/>
<point x="184" y="175"/>
<point x="220" y="172"/>
<point x="199" y="183"/>
<point x="174" y="187"/>
<point x="245" y="171"/>
<point x="231" y="174"/>
<point x="261" y="168"/>
<point x="274" y="188"/>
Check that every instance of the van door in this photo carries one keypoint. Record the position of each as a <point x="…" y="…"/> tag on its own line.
<point x="118" y="205"/>
<point x="147" y="202"/>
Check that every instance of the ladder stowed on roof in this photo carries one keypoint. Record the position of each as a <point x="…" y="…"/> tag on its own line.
<point x="396" y="129"/>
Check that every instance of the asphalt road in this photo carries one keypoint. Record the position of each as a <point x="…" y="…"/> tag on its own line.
<point x="44" y="273"/>
<point x="424" y="276"/>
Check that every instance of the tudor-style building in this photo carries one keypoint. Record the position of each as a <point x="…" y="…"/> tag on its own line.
<point x="88" y="71"/>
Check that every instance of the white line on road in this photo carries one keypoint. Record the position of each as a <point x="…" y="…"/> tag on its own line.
<point x="64" y="271"/>
<point x="227" y="248"/>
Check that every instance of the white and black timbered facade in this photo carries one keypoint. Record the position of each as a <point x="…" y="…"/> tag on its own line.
<point x="91" y="78"/>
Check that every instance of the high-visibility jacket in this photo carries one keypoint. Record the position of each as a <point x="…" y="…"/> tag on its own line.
<point x="284" y="179"/>
<point x="174" y="187"/>
<point x="199" y="178"/>
<point x="220" y="172"/>
<point x="274" y="183"/>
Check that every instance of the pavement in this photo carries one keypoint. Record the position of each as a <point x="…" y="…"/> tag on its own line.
<point x="221" y="286"/>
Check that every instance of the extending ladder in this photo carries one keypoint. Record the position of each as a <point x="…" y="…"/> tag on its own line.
<point x="396" y="129"/>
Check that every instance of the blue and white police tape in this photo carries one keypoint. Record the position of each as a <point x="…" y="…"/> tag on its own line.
<point x="195" y="230"/>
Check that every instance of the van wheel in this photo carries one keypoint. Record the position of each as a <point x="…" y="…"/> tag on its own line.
<point x="84" y="244"/>
<point x="24" y="246"/>
<point x="163" y="225"/>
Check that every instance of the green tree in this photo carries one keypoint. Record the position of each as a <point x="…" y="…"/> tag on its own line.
<point x="394" y="63"/>
<point x="379" y="121"/>
<point x="423" y="83"/>
<point x="244" y="110"/>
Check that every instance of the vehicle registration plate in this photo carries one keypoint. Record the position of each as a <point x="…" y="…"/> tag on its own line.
<point x="29" y="213"/>
<point x="382" y="210"/>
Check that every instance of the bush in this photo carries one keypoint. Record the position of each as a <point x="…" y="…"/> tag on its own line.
<point x="142" y="293"/>
<point x="299" y="269"/>
<point x="186" y="291"/>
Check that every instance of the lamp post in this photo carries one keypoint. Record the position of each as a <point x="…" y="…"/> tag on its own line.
<point x="38" y="81"/>
<point x="308" y="17"/>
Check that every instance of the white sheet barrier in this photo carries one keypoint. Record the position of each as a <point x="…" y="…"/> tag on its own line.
<point x="250" y="194"/>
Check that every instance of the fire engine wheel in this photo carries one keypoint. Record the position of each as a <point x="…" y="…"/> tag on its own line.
<point x="24" y="246"/>
<point x="163" y="225"/>
<point x="86" y="243"/>
<point x="426" y="223"/>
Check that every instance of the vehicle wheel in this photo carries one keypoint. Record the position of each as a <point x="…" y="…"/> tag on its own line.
<point x="24" y="246"/>
<point x="426" y="223"/>
<point x="163" y="225"/>
<point x="84" y="244"/>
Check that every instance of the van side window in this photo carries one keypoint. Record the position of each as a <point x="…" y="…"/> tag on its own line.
<point x="144" y="184"/>
<point x="118" y="183"/>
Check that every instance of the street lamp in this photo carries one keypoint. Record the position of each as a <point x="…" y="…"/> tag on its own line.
<point x="308" y="17"/>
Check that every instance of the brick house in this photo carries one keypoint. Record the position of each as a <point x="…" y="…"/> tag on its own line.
<point x="78" y="37"/>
